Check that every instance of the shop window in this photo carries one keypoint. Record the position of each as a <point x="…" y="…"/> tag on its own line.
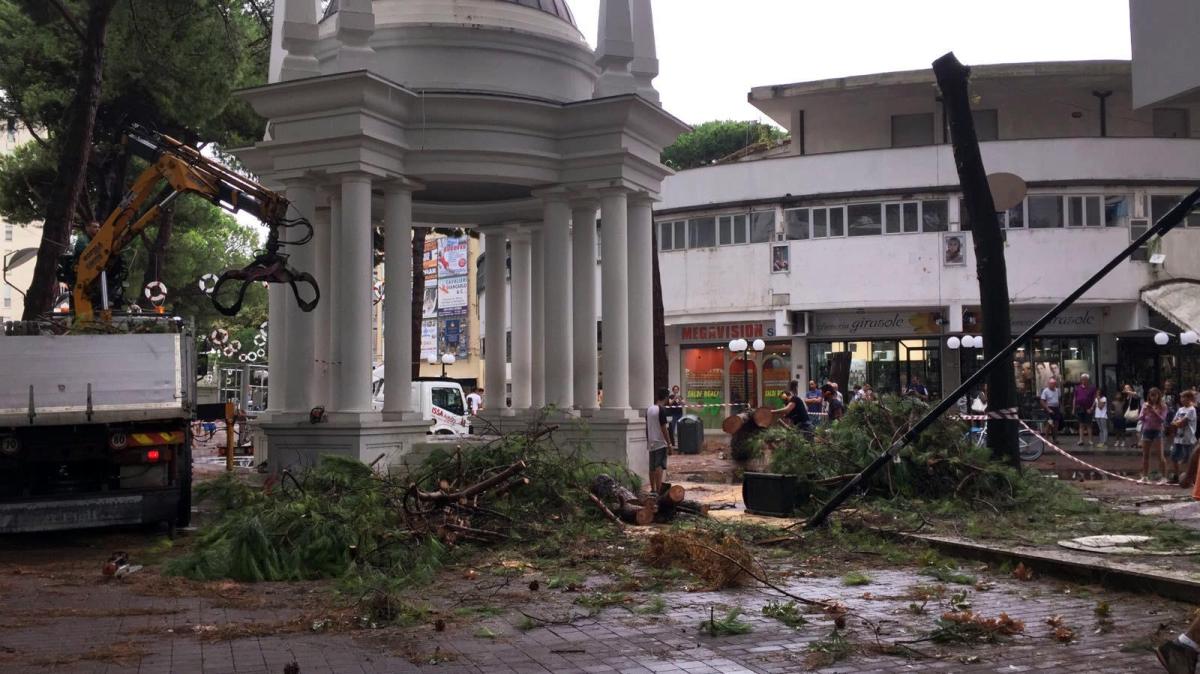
<point x="987" y="125"/>
<point x="1171" y="123"/>
<point x="731" y="229"/>
<point x="865" y="219"/>
<point x="1083" y="211"/>
<point x="922" y="358"/>
<point x="762" y="226"/>
<point x="1045" y="211"/>
<point x="704" y="382"/>
<point x="702" y="232"/>
<point x="795" y="222"/>
<point x="743" y="382"/>
<point x="776" y="373"/>
<point x="912" y="130"/>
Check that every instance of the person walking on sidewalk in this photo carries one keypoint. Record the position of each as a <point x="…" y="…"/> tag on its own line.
<point x="1152" y="419"/>
<point x="1178" y="656"/>
<point x="1085" y="401"/>
<point x="1184" y="424"/>
<point x="1051" y="401"/>
<point x="1100" y="414"/>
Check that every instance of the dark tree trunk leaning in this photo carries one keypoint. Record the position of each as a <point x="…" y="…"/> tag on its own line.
<point x="661" y="369"/>
<point x="418" y="295"/>
<point x="74" y="151"/>
<point x="953" y="79"/>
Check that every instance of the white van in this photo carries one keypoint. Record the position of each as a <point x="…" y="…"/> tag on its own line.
<point x="439" y="401"/>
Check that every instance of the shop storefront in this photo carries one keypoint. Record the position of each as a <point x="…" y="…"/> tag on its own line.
<point x="1063" y="350"/>
<point x="888" y="349"/>
<point x="715" y="378"/>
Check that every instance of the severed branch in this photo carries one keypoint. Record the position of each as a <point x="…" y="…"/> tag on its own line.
<point x="604" y="509"/>
<point x="442" y="497"/>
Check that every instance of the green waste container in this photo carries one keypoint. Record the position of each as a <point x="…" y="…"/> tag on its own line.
<point x="691" y="434"/>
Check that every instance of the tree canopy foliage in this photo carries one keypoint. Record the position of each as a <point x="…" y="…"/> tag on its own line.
<point x="168" y="65"/>
<point x="714" y="140"/>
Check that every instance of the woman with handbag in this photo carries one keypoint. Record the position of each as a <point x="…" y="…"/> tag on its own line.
<point x="1128" y="408"/>
<point x="1152" y="420"/>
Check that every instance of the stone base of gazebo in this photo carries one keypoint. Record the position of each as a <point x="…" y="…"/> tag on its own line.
<point x="294" y="443"/>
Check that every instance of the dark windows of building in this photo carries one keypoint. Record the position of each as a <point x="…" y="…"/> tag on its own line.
<point x="731" y="229"/>
<point x="702" y="233"/>
<point x="795" y="223"/>
<point x="1084" y="212"/>
<point x="987" y="125"/>
<point x="935" y="215"/>
<point x="1045" y="211"/>
<point x="912" y="130"/>
<point x="865" y="219"/>
<point x="1171" y="123"/>
<point x="762" y="226"/>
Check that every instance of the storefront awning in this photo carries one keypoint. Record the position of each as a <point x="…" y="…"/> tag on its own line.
<point x="1178" y="300"/>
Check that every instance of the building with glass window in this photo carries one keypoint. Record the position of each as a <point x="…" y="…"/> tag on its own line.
<point x="850" y="239"/>
<point x="18" y="242"/>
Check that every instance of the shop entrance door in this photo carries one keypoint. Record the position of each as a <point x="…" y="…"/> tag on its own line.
<point x="923" y="360"/>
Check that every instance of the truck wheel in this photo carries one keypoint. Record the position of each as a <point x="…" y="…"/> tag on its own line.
<point x="183" y="514"/>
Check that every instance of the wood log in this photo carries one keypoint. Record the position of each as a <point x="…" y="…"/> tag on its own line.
<point x="609" y="490"/>
<point x="763" y="417"/>
<point x="636" y="514"/>
<point x="760" y="418"/>
<point x="604" y="509"/>
<point x="732" y="424"/>
<point x="694" y="507"/>
<point x="675" y="492"/>
<point x="442" y="497"/>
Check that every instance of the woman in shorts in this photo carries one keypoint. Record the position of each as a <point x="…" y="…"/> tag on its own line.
<point x="1153" y="418"/>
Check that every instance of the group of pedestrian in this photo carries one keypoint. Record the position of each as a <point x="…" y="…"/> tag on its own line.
<point x="1164" y="425"/>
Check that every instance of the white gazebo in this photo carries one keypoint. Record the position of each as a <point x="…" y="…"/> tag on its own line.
<point x="490" y="114"/>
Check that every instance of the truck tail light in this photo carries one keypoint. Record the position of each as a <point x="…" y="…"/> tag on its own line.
<point x="152" y="455"/>
<point x="118" y="440"/>
<point x="9" y="445"/>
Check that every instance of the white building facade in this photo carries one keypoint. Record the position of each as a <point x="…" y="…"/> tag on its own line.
<point x="16" y="240"/>
<point x="850" y="238"/>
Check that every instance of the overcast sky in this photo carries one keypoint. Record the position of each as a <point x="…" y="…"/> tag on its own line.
<point x="712" y="52"/>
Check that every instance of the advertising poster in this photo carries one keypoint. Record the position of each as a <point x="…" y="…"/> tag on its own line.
<point x="429" y="307"/>
<point x="429" y="263"/>
<point x="452" y="294"/>
<point x="429" y="340"/>
<point x="452" y="336"/>
<point x="452" y="257"/>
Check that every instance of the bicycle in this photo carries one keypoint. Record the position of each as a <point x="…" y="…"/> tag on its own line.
<point x="1029" y="446"/>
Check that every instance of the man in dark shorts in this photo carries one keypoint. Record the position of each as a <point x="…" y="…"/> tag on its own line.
<point x="656" y="438"/>
<point x="1051" y="402"/>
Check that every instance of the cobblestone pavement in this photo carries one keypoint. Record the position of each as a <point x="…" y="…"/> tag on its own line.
<point x="60" y="616"/>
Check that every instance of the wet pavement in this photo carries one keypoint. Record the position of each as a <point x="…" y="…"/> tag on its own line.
<point x="60" y="615"/>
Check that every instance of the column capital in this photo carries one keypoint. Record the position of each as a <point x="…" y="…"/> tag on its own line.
<point x="400" y="183"/>
<point x="643" y="199"/>
<point x="553" y="194"/>
<point x="353" y="176"/>
<point x="585" y="201"/>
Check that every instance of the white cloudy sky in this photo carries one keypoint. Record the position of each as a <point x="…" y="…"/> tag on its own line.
<point x="712" y="52"/>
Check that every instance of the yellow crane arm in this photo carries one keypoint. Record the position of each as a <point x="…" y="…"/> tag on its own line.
<point x="184" y="169"/>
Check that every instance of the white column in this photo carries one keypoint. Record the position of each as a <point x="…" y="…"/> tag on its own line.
<point x="300" y="40"/>
<point x="301" y="326"/>
<point x="537" y="324"/>
<point x="641" y="309"/>
<point x="277" y="297"/>
<point x="583" y="268"/>
<point x="559" y="330"/>
<point x="614" y="269"/>
<point x="352" y="321"/>
<point x="522" y="320"/>
<point x="496" y="309"/>
<point x="325" y="245"/>
<point x="397" y="307"/>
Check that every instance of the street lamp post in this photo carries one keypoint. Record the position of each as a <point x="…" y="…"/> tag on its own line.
<point x="744" y="347"/>
<point x="445" y="359"/>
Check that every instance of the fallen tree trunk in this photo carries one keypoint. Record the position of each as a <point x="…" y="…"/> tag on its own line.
<point x="630" y="508"/>
<point x="693" y="507"/>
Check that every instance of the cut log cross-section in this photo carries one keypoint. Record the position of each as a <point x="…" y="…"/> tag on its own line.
<point x="630" y="508"/>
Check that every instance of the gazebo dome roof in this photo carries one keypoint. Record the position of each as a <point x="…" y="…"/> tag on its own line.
<point x="557" y="8"/>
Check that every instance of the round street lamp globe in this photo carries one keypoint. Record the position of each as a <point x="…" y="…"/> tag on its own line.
<point x="448" y="359"/>
<point x="1189" y="337"/>
<point x="1161" y="339"/>
<point x="953" y="343"/>
<point x="759" y="345"/>
<point x="432" y="359"/>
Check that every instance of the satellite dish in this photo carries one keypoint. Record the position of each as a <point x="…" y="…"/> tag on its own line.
<point x="1008" y="189"/>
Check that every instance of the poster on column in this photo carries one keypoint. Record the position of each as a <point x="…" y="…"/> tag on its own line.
<point x="429" y="340"/>
<point x="452" y="257"/>
<point x="429" y="307"/>
<point x="429" y="262"/>
<point x="452" y="294"/>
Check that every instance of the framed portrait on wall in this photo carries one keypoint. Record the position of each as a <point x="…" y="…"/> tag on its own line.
<point x="954" y="249"/>
<point x="781" y="260"/>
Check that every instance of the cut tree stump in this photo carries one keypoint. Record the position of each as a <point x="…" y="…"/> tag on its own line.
<point x="631" y="508"/>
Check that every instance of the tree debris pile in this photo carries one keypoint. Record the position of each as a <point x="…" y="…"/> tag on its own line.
<point x="942" y="463"/>
<point x="620" y="504"/>
<point x="341" y="519"/>
<point x="717" y="557"/>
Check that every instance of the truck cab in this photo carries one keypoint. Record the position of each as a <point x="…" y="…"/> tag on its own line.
<point x="440" y="401"/>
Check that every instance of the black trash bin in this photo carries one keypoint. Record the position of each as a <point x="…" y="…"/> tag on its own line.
<point x="691" y="434"/>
